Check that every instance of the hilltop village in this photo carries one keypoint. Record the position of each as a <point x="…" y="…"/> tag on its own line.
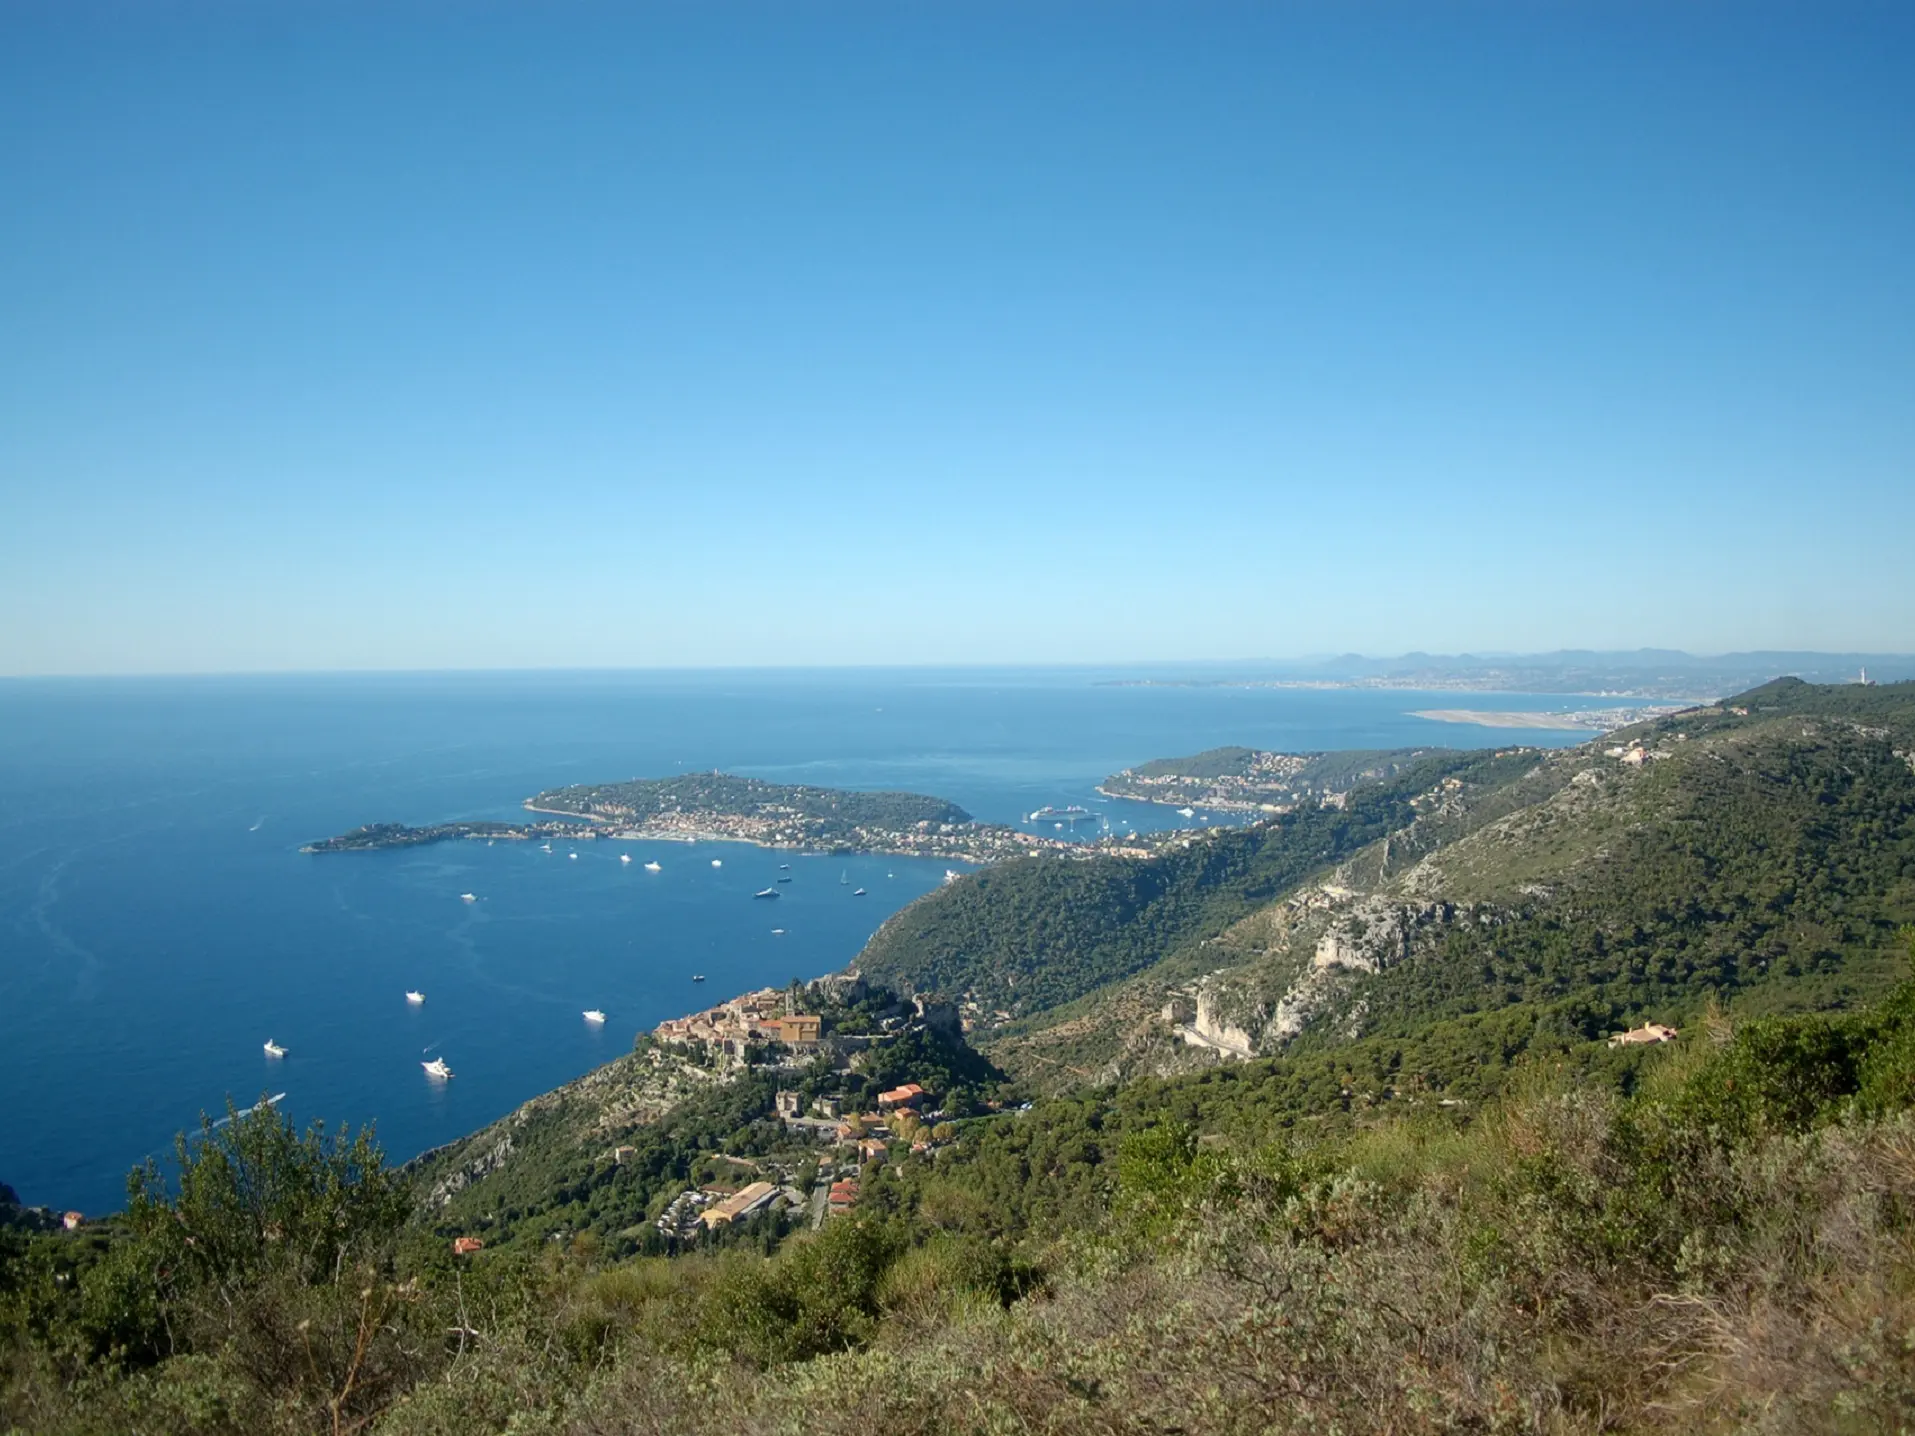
<point x="863" y="1078"/>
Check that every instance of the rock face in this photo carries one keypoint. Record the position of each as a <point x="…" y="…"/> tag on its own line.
<point x="1209" y="1027"/>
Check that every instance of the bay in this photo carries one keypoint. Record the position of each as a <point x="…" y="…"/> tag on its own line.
<point x="158" y="923"/>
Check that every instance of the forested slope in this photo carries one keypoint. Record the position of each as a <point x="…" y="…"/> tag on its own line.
<point x="1029" y="935"/>
<point x="1760" y="852"/>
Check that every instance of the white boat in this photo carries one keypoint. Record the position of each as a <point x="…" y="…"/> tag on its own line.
<point x="468" y="897"/>
<point x="624" y="857"/>
<point x="594" y="1016"/>
<point x="545" y="847"/>
<point x="1186" y="812"/>
<point x="272" y="1101"/>
<point x="415" y="998"/>
<point x="776" y="932"/>
<point x="698" y="977"/>
<point x="573" y="856"/>
<point x="857" y="892"/>
<point x="951" y="875"/>
<point x="437" y="1068"/>
<point x="718" y="862"/>
<point x="766" y="893"/>
<point x="273" y="1049"/>
<point x="652" y="867"/>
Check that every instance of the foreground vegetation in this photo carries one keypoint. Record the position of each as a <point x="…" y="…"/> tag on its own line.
<point x="1730" y="1246"/>
<point x="1447" y="1204"/>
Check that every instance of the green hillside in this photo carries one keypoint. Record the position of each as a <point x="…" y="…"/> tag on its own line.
<point x="1325" y="1124"/>
<point x="1025" y="936"/>
<point x="1759" y="853"/>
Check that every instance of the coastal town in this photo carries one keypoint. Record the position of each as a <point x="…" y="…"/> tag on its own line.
<point x="821" y="1041"/>
<point x="722" y="807"/>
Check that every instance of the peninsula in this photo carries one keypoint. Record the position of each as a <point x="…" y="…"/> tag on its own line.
<point x="1251" y="780"/>
<point x="728" y="808"/>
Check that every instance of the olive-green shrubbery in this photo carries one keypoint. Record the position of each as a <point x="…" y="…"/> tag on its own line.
<point x="1731" y="1247"/>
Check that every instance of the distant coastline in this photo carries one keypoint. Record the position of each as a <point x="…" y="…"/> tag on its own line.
<point x="1588" y="721"/>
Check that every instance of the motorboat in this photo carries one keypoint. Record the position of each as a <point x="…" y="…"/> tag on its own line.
<point x="1186" y="812"/>
<point x="784" y="880"/>
<point x="777" y="932"/>
<point x="273" y="1049"/>
<point x="652" y="868"/>
<point x="468" y="897"/>
<point x="698" y="977"/>
<point x="857" y="892"/>
<point x="766" y="893"/>
<point x="572" y="856"/>
<point x="594" y="1016"/>
<point x="415" y="998"/>
<point x="624" y="857"/>
<point x="437" y="1068"/>
<point x="718" y="862"/>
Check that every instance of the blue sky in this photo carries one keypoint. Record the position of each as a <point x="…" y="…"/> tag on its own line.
<point x="474" y="335"/>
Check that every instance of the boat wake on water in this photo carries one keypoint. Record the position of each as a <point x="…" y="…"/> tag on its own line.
<point x="272" y="1101"/>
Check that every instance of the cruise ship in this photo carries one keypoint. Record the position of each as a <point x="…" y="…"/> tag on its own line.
<point x="437" y="1068"/>
<point x="1071" y="814"/>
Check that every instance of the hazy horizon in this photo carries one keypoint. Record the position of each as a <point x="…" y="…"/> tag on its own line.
<point x="1301" y="666"/>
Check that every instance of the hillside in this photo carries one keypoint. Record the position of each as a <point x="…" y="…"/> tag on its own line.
<point x="1760" y="852"/>
<point x="1028" y="935"/>
<point x="1337" y="1132"/>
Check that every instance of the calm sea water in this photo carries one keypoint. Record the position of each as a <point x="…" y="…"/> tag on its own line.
<point x="158" y="924"/>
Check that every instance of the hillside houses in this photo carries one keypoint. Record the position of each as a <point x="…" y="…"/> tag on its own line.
<point x="731" y="1027"/>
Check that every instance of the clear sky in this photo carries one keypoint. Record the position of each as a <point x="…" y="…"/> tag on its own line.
<point x="472" y="335"/>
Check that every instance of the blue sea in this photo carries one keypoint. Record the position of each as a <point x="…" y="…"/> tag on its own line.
<point x="158" y="923"/>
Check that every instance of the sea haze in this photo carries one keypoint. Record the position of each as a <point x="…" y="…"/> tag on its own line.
<point x="158" y="923"/>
